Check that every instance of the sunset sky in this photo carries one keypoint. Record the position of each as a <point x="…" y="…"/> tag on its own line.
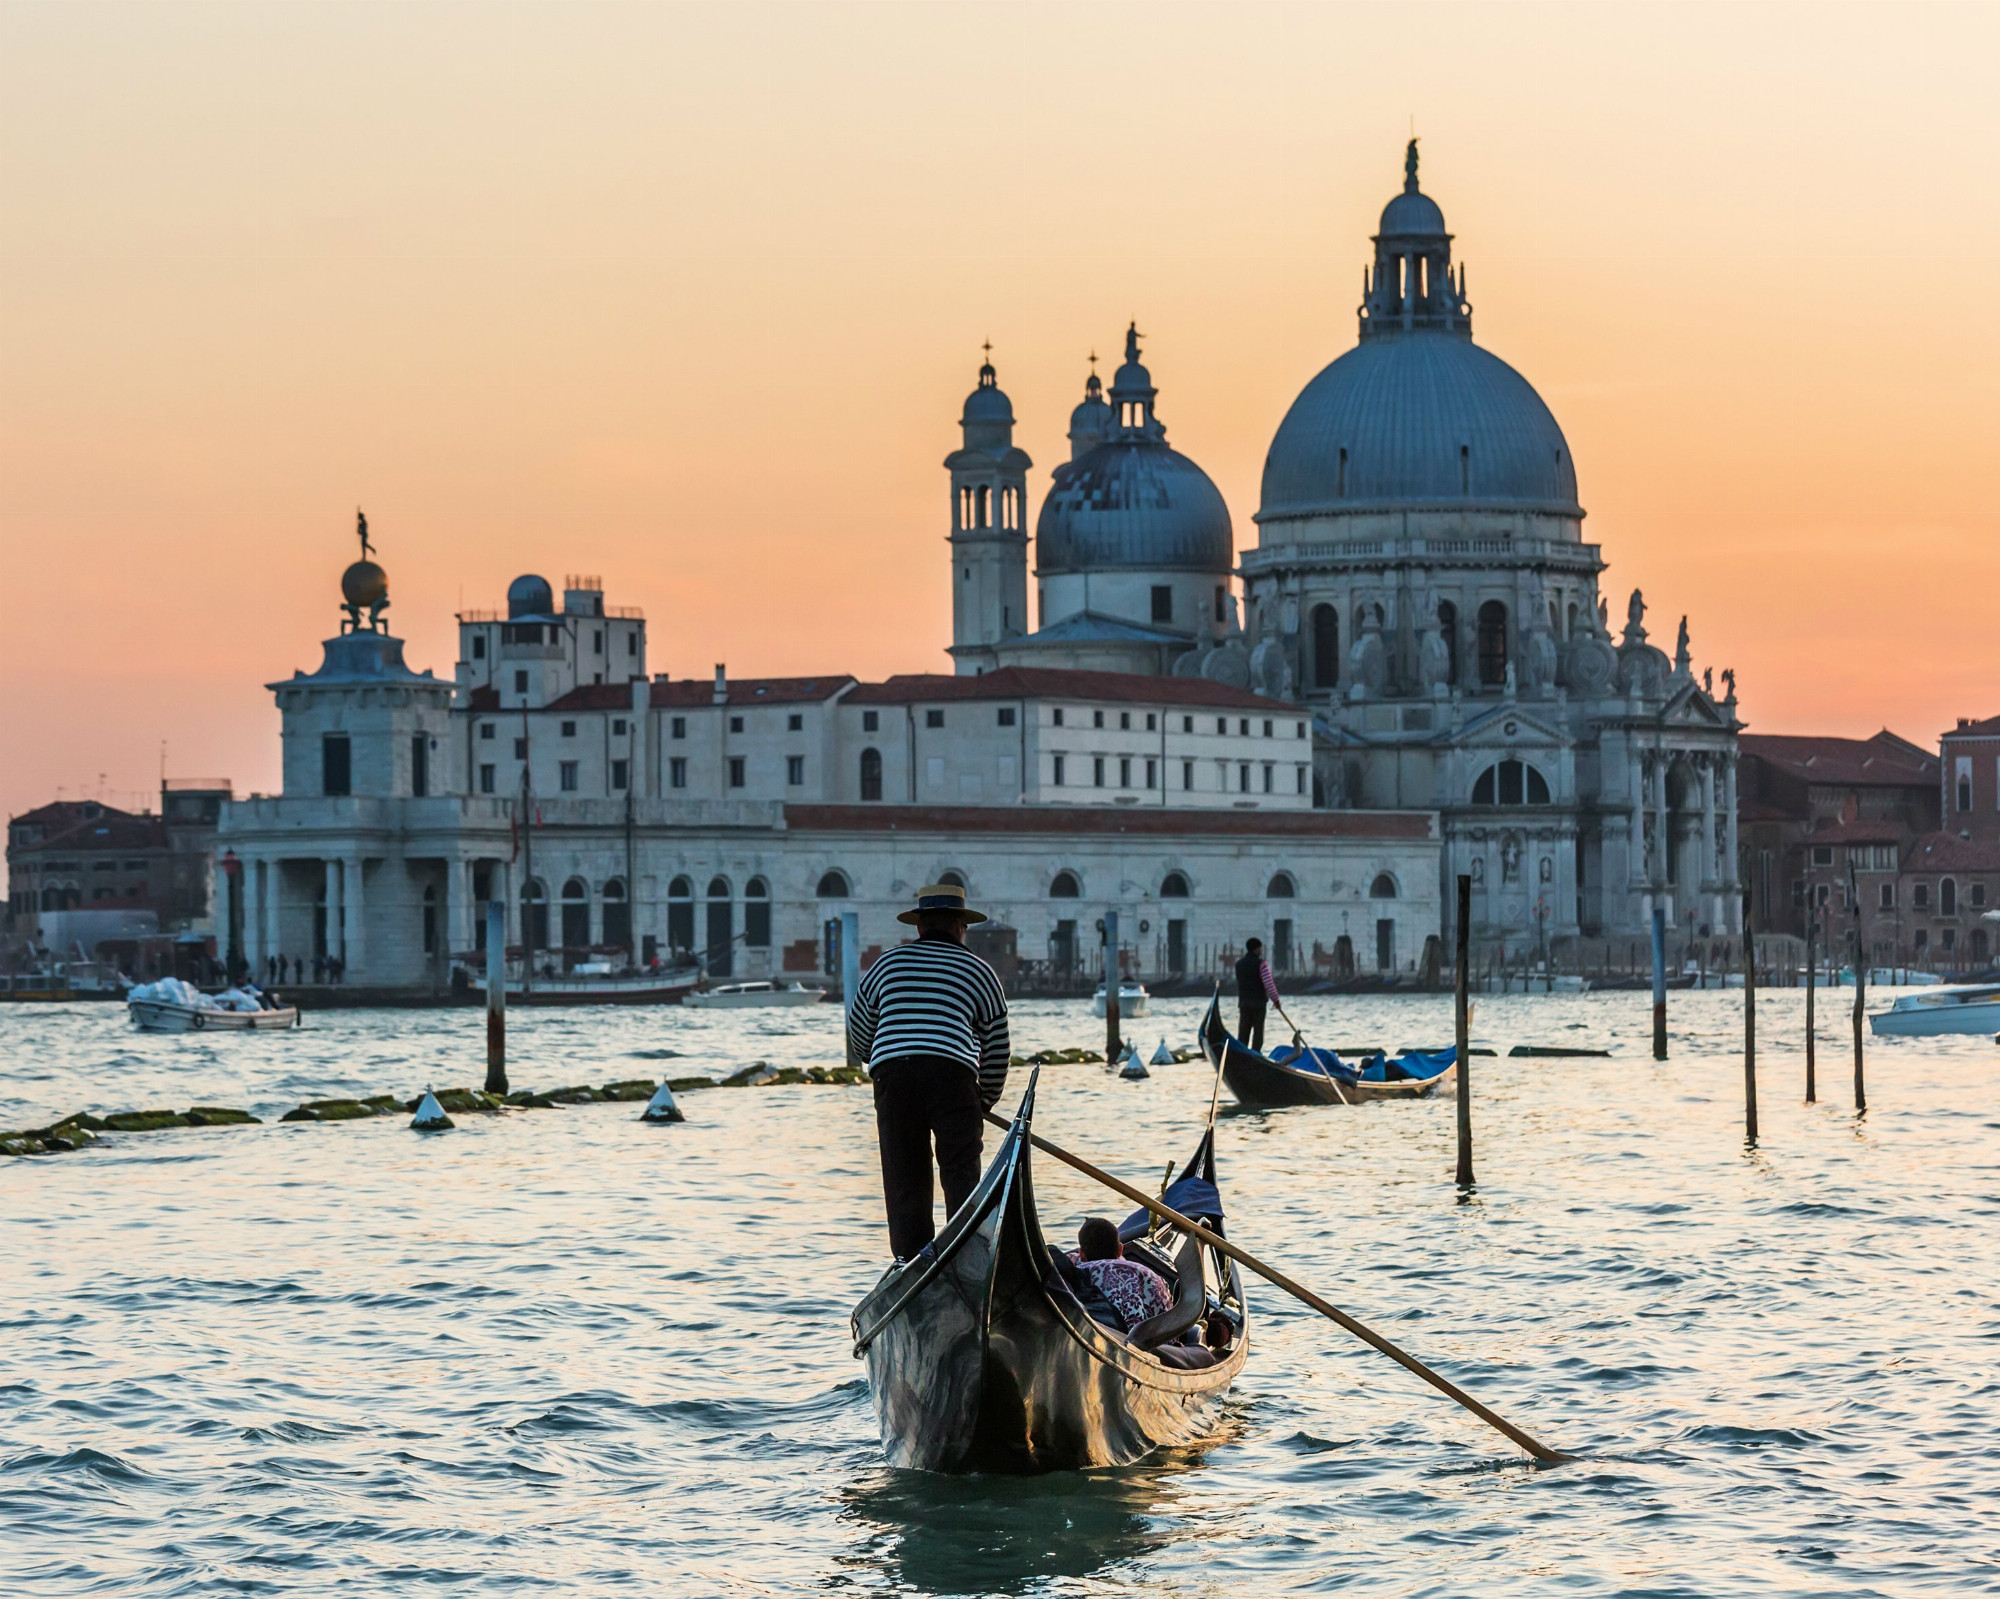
<point x="690" y="297"/>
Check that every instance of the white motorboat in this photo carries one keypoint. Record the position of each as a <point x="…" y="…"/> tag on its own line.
<point x="1940" y="1010"/>
<point x="739" y="996"/>
<point x="1133" y="1000"/>
<point x="599" y="985"/>
<point x="172" y="1006"/>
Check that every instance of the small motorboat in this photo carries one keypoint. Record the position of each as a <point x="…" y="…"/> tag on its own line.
<point x="172" y="1006"/>
<point x="739" y="996"/>
<point x="668" y="986"/>
<point x="1940" y="1010"/>
<point x="1292" y="1075"/>
<point x="1133" y="1000"/>
<point x="982" y="1357"/>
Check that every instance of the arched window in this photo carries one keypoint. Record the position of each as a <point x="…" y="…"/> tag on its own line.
<point x="1174" y="886"/>
<point x="1384" y="887"/>
<point x="1493" y="643"/>
<point x="871" y="774"/>
<point x="1326" y="646"/>
<point x="833" y="885"/>
<point x="953" y="878"/>
<point x="576" y="916"/>
<point x="1281" y="887"/>
<point x="617" y="915"/>
<point x="1448" y="631"/>
<point x="1948" y="897"/>
<point x="756" y="914"/>
<point x="1065" y="886"/>
<point x="719" y="956"/>
<point x="982" y="502"/>
<point x="718" y="888"/>
<point x="576" y="888"/>
<point x="680" y="914"/>
<point x="1510" y="783"/>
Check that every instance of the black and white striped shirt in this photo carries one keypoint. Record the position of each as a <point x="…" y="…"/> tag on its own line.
<point x="933" y="997"/>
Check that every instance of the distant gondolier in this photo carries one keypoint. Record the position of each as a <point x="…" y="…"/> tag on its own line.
<point x="1256" y="989"/>
<point x="929" y="1021"/>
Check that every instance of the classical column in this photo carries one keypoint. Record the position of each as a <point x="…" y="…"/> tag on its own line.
<point x="1712" y="889"/>
<point x="1661" y="842"/>
<point x="1730" y="863"/>
<point x="353" y="945"/>
<point x="460" y="898"/>
<point x="333" y="916"/>
<point x="1635" y="846"/>
<point x="274" y="890"/>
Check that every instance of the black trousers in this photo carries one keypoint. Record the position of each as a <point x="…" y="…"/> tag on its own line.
<point x="919" y="1098"/>
<point x="1250" y="1025"/>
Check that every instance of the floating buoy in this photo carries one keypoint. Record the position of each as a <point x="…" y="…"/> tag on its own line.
<point x="1134" y="1068"/>
<point x="430" y="1116"/>
<point x="661" y="1107"/>
<point x="1163" y="1056"/>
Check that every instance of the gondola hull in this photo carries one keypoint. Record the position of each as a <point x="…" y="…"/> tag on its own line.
<point x="1258" y="1080"/>
<point x="980" y="1360"/>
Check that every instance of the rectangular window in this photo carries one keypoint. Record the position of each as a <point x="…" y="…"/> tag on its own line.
<point x="1888" y="896"/>
<point x="1124" y="771"/>
<point x="871" y="722"/>
<point x="1243" y="727"/>
<point x="1822" y="855"/>
<point x="1267" y="727"/>
<point x="486" y="775"/>
<point x="1125" y="721"/>
<point x="933" y="718"/>
<point x="1152" y="722"/>
<point x="520" y="749"/>
<point x="617" y="731"/>
<point x="1187" y="724"/>
<point x="1096" y="718"/>
<point x="566" y="776"/>
<point x="1222" y="724"/>
<point x="1221" y="603"/>
<point x="597" y="641"/>
<point x="678" y="728"/>
<point x="677" y="772"/>
<point x="479" y="646"/>
<point x="1057" y="777"/>
<point x="736" y="771"/>
<point x="420" y="765"/>
<point x="631" y="643"/>
<point x="1920" y="896"/>
<point x="1243" y="777"/>
<point x="1097" y="771"/>
<point x="336" y="767"/>
<point x="620" y="776"/>
<point x="1299" y="730"/>
<point x="1163" y="602"/>
<point x="1057" y="714"/>
<point x="520" y="682"/>
<point x="1300" y="786"/>
<point x="1267" y="776"/>
<point x="795" y="770"/>
<point x="736" y="724"/>
<point x="1187" y="775"/>
<point x="1006" y="716"/>
<point x="1152" y="774"/>
<point x="485" y="729"/>
<point x="569" y="730"/>
<point x="795" y="722"/>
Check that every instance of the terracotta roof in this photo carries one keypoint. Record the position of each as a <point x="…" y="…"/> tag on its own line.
<point x="1150" y="821"/>
<point x="750" y="690"/>
<point x="1947" y="852"/>
<point x="1050" y="683"/>
<point x="1967" y="728"/>
<point x="594" y="697"/>
<point x="484" y="699"/>
<point x="1884" y="761"/>
<point x="65" y="825"/>
<point x="1858" y="832"/>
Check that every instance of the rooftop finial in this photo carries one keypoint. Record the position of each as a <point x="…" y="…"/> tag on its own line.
<point x="986" y="372"/>
<point x="361" y="529"/>
<point x="1410" y="168"/>
<point x="1132" y="337"/>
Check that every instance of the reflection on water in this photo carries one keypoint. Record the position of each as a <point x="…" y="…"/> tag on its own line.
<point x="565" y="1353"/>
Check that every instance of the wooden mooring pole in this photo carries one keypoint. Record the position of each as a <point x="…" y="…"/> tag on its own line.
<point x="496" y="996"/>
<point x="1659" y="982"/>
<point x="1463" y="988"/>
<point x="1860" y="990"/>
<point x="1749" y="1025"/>
<point x="1812" y="1088"/>
<point x="1111" y="1045"/>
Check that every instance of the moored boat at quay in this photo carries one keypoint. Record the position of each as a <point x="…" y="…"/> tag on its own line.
<point x="666" y="987"/>
<point x="1297" y="1075"/>
<point x="1937" y="1011"/>
<point x="172" y="1006"/>
<point x="744" y="996"/>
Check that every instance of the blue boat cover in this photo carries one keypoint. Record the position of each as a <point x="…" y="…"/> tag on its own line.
<point x="1191" y="1196"/>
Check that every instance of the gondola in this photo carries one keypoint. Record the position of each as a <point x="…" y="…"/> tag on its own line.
<point x="1298" y="1075"/>
<point x="981" y="1356"/>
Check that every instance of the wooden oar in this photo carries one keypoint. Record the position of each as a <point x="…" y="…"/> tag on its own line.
<point x="1299" y="1039"/>
<point x="1367" y="1335"/>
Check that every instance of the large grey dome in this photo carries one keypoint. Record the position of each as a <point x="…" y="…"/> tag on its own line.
<point x="530" y="596"/>
<point x="1130" y="503"/>
<point x="1423" y="418"/>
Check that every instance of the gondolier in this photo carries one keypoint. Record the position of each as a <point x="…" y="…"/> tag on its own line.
<point x="1255" y="989"/>
<point x="929" y="1022"/>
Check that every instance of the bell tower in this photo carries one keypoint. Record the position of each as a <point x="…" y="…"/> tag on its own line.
<point x="989" y="522"/>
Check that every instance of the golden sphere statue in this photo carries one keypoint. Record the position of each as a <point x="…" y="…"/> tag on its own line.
<point x="364" y="583"/>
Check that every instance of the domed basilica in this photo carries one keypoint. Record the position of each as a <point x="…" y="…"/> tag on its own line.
<point x="1420" y="580"/>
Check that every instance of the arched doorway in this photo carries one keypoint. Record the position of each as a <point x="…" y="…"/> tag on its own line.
<point x="719" y="955"/>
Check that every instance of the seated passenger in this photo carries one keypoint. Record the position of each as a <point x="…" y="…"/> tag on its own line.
<point x="1136" y="1291"/>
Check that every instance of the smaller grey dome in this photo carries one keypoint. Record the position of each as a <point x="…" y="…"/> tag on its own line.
<point x="1412" y="213"/>
<point x="1133" y="504"/>
<point x="530" y="596"/>
<point x="988" y="402"/>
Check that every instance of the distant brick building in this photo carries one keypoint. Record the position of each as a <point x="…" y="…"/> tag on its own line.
<point x="1969" y="779"/>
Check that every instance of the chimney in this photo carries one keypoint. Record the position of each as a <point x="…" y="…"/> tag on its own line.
<point x="721" y="684"/>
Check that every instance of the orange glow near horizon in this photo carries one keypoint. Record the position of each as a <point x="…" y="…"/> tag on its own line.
<point x="690" y="298"/>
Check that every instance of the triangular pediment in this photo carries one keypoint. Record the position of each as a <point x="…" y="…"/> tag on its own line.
<point x="1507" y="727"/>
<point x="1691" y="706"/>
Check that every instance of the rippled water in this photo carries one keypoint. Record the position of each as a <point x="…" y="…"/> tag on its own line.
<point x="565" y="1353"/>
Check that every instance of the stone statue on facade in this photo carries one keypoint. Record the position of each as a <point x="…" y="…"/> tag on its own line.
<point x="1433" y="654"/>
<point x="1368" y="660"/>
<point x="1510" y="858"/>
<point x="1683" y="656"/>
<point x="1635" y="618"/>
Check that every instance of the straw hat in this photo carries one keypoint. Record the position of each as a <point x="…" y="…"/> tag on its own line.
<point x="941" y="897"/>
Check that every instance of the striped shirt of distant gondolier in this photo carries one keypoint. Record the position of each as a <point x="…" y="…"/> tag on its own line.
<point x="933" y="997"/>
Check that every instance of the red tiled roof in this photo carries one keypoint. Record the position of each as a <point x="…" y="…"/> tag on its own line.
<point x="1105" y="819"/>
<point x="1884" y="761"/>
<point x="594" y="697"/>
<point x="484" y="699"/>
<point x="1989" y="728"/>
<point x="1050" y="683"/>
<point x="1858" y="832"/>
<point x="1947" y="852"/>
<point x="65" y="825"/>
<point x="750" y="690"/>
